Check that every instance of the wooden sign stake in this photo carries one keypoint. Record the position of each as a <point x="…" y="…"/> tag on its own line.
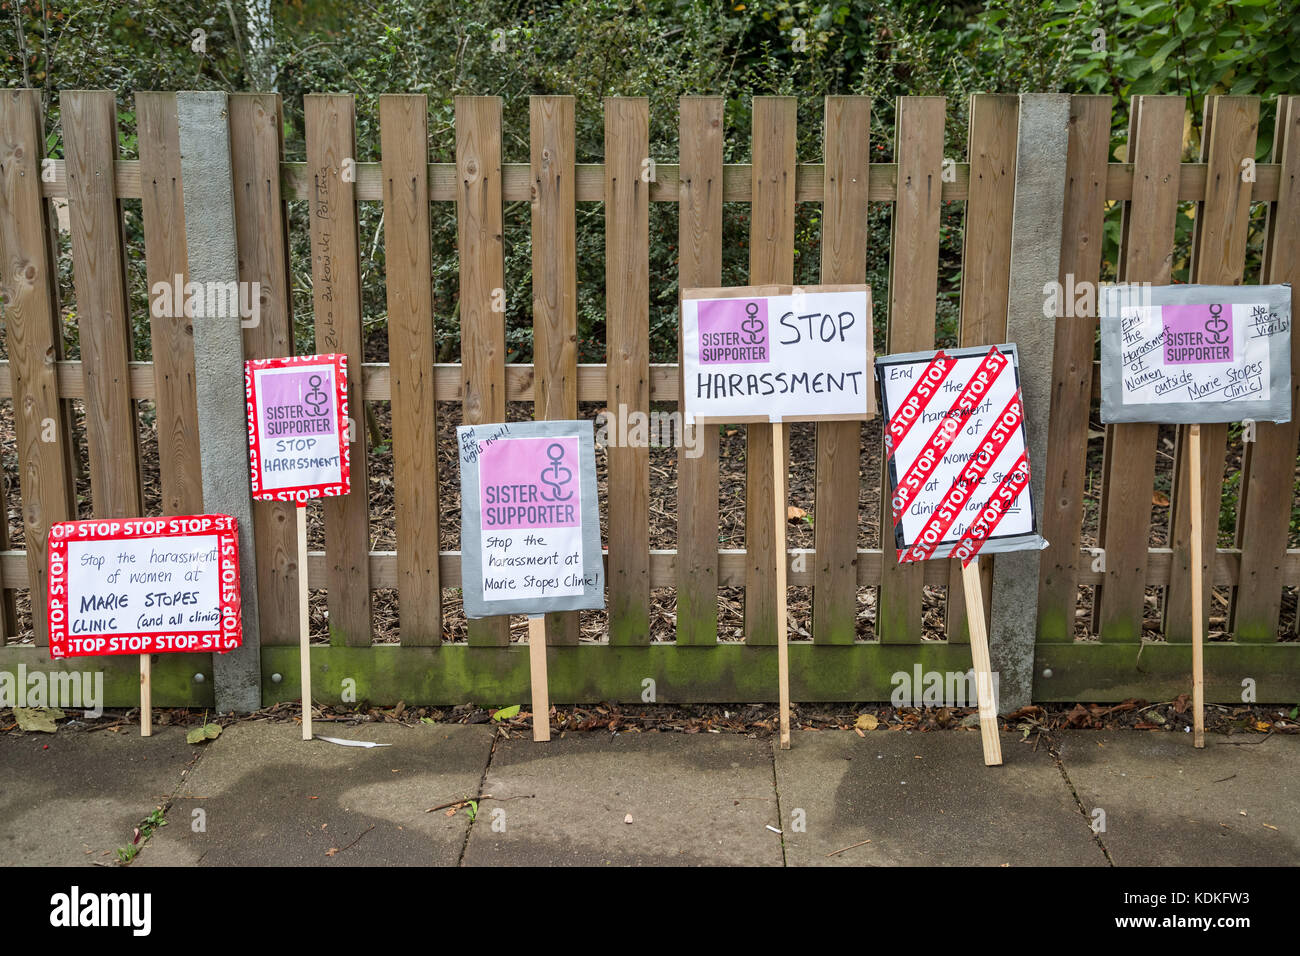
<point x="537" y="677"/>
<point x="304" y="623"/>
<point x="1198" y="613"/>
<point x="782" y="624"/>
<point x="973" y="586"/>
<point x="146" y="695"/>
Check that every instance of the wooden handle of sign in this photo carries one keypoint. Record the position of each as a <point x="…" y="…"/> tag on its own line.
<point x="979" y="650"/>
<point x="1198" y="613"/>
<point x="146" y="695"/>
<point x="537" y="677"/>
<point x="782" y="650"/>
<point x="304" y="624"/>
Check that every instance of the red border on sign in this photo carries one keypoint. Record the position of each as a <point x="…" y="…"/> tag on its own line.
<point x="300" y="493"/>
<point x="226" y="637"/>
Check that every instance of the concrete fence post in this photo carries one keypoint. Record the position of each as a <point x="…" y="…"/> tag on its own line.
<point x="1043" y="139"/>
<point x="219" y="368"/>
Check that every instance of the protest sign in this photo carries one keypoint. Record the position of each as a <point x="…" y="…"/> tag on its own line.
<point x="530" y="530"/>
<point x="298" y="450"/>
<point x="1195" y="353"/>
<point x="777" y="353"/>
<point x="958" y="461"/>
<point x="298" y="427"/>
<point x="958" y="465"/>
<point x="144" y="586"/>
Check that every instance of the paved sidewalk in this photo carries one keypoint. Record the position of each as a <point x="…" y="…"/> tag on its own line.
<point x="259" y="795"/>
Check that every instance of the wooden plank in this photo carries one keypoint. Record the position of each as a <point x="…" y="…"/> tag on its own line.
<point x="403" y="126"/>
<point x="771" y="260"/>
<point x="847" y="147"/>
<point x="261" y="232"/>
<point x="479" y="230"/>
<point x="986" y="280"/>
<point x="1128" y="468"/>
<point x="699" y="265"/>
<point x="162" y="207"/>
<point x="736" y="182"/>
<point x="32" y="339"/>
<point x="913" y="283"/>
<point x="330" y="123"/>
<point x="1076" y="327"/>
<point x="103" y="322"/>
<point x="555" y="282"/>
<point x="1268" y="470"/>
<point x="1218" y="258"/>
<point x="627" y="335"/>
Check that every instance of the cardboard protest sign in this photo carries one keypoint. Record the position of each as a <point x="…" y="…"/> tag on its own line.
<point x="777" y="353"/>
<point x="1195" y="353"/>
<point x="144" y="586"/>
<point x="958" y="455"/>
<point x="298" y="427"/>
<point x="530" y="529"/>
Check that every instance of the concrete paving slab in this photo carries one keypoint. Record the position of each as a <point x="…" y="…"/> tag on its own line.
<point x="270" y="798"/>
<point x="703" y="799"/>
<point x="77" y="802"/>
<point x="1235" y="803"/>
<point x="927" y="800"/>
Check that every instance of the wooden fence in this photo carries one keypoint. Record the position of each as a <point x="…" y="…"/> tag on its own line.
<point x="836" y="663"/>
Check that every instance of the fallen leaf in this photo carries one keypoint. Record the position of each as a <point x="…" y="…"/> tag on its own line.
<point x="866" y="722"/>
<point x="331" y="851"/>
<point x="794" y="513"/>
<point x="628" y="818"/>
<point x="1160" y="499"/>
<point x="38" y="719"/>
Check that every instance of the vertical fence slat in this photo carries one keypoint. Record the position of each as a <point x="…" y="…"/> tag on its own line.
<point x="103" y="322"/>
<point x="482" y="284"/>
<point x="771" y="261"/>
<point x="985" y="277"/>
<point x="32" y="337"/>
<point x="1155" y="139"/>
<point x="162" y="207"/>
<point x="913" y="283"/>
<point x="1268" y="471"/>
<point x="330" y="126"/>
<point x="844" y="260"/>
<point x="1218" y="258"/>
<point x="699" y="266"/>
<point x="1067" y="441"/>
<point x="627" y="338"/>
<point x="555" y="280"/>
<point x="261" y="232"/>
<point x="404" y="129"/>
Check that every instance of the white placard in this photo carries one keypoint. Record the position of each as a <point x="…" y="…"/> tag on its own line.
<point x="800" y="355"/>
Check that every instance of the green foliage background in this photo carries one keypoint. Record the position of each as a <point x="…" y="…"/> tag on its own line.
<point x="662" y="49"/>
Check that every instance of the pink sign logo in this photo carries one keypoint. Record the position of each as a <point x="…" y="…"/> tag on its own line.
<point x="733" y="331"/>
<point x="530" y="483"/>
<point x="1196" y="334"/>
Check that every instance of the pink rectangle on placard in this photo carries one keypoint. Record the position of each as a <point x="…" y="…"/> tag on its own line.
<point x="1197" y="334"/>
<point x="530" y="483"/>
<point x="297" y="404"/>
<point x="734" y="331"/>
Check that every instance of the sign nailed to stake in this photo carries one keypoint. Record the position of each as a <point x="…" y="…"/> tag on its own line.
<point x="144" y="586"/>
<point x="298" y="427"/>
<point x="958" y="458"/>
<point x="777" y="353"/>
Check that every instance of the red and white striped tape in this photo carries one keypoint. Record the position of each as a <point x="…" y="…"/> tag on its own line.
<point x="967" y="481"/>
